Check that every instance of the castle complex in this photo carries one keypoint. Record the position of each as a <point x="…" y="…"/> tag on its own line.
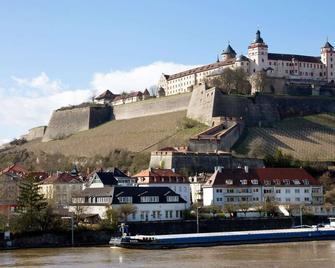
<point x="306" y="69"/>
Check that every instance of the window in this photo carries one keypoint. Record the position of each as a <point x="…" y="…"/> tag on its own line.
<point x="255" y="182"/>
<point x="307" y="199"/>
<point x="255" y="190"/>
<point x="230" y="190"/>
<point x="297" y="199"/>
<point x="278" y="191"/>
<point x="297" y="191"/>
<point x="125" y="199"/>
<point x="174" y="198"/>
<point x="306" y="191"/>
<point x="288" y="191"/>
<point x="229" y="182"/>
<point x="267" y="191"/>
<point x="149" y="199"/>
<point x="219" y="190"/>
<point x="243" y="182"/>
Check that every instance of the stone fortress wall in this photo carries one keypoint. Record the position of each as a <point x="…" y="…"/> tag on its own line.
<point x="65" y="122"/>
<point x="152" y="106"/>
<point x="204" y="105"/>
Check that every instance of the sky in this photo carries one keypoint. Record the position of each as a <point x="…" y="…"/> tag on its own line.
<point x="57" y="53"/>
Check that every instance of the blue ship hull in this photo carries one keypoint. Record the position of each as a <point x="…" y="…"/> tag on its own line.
<point x="224" y="238"/>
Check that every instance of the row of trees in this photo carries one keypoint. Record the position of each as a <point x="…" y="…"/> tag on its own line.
<point x="238" y="81"/>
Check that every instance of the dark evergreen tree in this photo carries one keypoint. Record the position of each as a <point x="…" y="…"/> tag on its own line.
<point x="31" y="204"/>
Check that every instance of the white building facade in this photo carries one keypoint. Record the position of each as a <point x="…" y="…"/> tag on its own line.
<point x="289" y="66"/>
<point x="291" y="186"/>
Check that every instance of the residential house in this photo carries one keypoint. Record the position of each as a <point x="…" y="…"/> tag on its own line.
<point x="105" y="97"/>
<point x="60" y="187"/>
<point x="151" y="203"/>
<point x="10" y="179"/>
<point x="155" y="177"/>
<point x="110" y="177"/>
<point x="282" y="185"/>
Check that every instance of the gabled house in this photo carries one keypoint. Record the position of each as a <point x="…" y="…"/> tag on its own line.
<point x="105" y="97"/>
<point x="10" y="179"/>
<point x="110" y="177"/>
<point x="59" y="187"/>
<point x="150" y="203"/>
<point x="289" y="186"/>
<point x="156" y="177"/>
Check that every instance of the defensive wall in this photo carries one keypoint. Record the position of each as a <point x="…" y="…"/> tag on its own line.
<point x="203" y="104"/>
<point x="65" y="122"/>
<point x="261" y="110"/>
<point x="151" y="106"/>
<point x="35" y="133"/>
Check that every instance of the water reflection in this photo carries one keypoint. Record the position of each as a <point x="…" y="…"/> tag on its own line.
<point x="304" y="254"/>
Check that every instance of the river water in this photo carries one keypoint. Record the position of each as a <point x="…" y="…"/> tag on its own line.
<point x="303" y="254"/>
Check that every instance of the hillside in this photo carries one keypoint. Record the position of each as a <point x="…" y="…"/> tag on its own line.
<point x="135" y="135"/>
<point x="306" y="138"/>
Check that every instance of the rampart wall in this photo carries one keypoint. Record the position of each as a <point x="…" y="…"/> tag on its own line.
<point x="152" y="106"/>
<point x="69" y="121"/>
<point x="35" y="133"/>
<point x="202" y="104"/>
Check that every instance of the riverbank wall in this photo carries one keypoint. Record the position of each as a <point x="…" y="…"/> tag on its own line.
<point x="102" y="237"/>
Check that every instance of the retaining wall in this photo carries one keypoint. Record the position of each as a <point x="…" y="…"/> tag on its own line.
<point x="152" y="106"/>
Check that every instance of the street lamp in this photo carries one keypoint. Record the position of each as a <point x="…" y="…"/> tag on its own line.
<point x="198" y="218"/>
<point x="72" y="228"/>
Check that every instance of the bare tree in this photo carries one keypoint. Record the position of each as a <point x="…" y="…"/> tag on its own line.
<point x="258" y="81"/>
<point x="125" y="210"/>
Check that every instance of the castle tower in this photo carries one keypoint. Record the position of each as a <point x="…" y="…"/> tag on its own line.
<point x="228" y="53"/>
<point x="258" y="54"/>
<point x="327" y="58"/>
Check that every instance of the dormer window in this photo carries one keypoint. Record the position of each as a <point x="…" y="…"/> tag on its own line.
<point x="286" y="182"/>
<point x="229" y="182"/>
<point x="267" y="182"/>
<point x="306" y="182"/>
<point x="254" y="182"/>
<point x="296" y="182"/>
<point x="244" y="182"/>
<point x="174" y="198"/>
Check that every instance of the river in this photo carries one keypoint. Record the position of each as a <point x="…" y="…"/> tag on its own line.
<point x="302" y="254"/>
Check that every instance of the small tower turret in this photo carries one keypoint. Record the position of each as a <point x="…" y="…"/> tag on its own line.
<point x="228" y="53"/>
<point x="258" y="53"/>
<point x="327" y="58"/>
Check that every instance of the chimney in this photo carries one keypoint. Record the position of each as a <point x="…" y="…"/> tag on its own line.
<point x="246" y="169"/>
<point x="173" y="169"/>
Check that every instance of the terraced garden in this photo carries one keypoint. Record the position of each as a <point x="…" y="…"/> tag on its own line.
<point x="306" y="138"/>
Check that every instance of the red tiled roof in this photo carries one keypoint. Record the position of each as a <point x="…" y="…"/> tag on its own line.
<point x="106" y="95"/>
<point x="200" y="69"/>
<point x="289" y="57"/>
<point x="161" y="175"/>
<point x="282" y="174"/>
<point x="261" y="176"/>
<point x="62" y="178"/>
<point x="15" y="168"/>
<point x="40" y="175"/>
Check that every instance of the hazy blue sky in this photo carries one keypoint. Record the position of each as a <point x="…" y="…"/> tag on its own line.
<point x="60" y="52"/>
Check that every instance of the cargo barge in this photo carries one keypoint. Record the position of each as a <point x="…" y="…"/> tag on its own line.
<point x="224" y="238"/>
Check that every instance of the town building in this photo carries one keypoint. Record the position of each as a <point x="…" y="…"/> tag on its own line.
<point x="150" y="203"/>
<point x="196" y="183"/>
<point x="59" y="187"/>
<point x="106" y="97"/>
<point x="110" y="177"/>
<point x="165" y="178"/>
<point x="306" y="69"/>
<point x="281" y="185"/>
<point x="10" y="179"/>
<point x="188" y="162"/>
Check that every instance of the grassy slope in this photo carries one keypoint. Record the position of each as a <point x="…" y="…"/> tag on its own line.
<point x="306" y="138"/>
<point x="138" y="134"/>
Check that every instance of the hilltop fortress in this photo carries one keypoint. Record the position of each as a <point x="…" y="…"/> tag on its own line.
<point x="290" y="68"/>
<point x="312" y="78"/>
